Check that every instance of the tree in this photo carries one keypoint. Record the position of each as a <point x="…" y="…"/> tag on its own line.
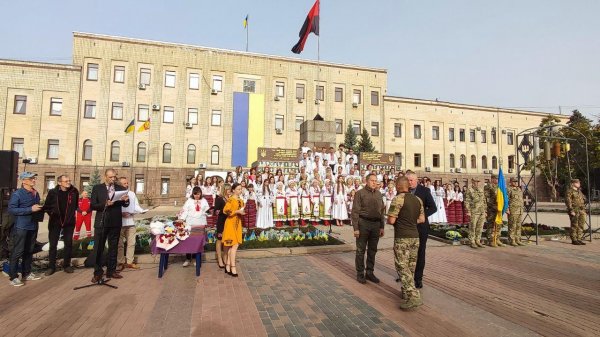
<point x="94" y="180"/>
<point x="577" y="153"/>
<point x="350" y="139"/>
<point x="365" y="144"/>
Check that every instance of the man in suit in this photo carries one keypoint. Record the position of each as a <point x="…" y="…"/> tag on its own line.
<point x="430" y="208"/>
<point x="107" y="224"/>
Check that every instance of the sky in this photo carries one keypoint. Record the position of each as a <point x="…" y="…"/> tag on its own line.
<point x="539" y="55"/>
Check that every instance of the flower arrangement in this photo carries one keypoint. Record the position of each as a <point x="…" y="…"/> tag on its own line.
<point x="453" y="235"/>
<point x="168" y="234"/>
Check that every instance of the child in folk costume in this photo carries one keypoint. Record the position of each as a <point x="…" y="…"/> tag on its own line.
<point x="279" y="205"/>
<point x="315" y="200"/>
<point x="305" y="207"/>
<point x="251" y="208"/>
<point x="390" y="193"/>
<point x="351" y="200"/>
<point x="264" y="203"/>
<point x="326" y="202"/>
<point x="293" y="203"/>
<point x="340" y="211"/>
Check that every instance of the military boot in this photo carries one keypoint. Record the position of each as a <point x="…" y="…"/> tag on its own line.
<point x="520" y="243"/>
<point x="479" y="244"/>
<point x="499" y="243"/>
<point x="492" y="242"/>
<point x="411" y="304"/>
<point x="473" y="245"/>
<point x="514" y="243"/>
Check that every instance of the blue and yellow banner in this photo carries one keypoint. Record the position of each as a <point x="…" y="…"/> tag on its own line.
<point x="502" y="197"/>
<point x="131" y="127"/>
<point x="248" y="127"/>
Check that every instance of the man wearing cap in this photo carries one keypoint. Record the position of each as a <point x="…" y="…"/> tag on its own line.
<point x="25" y="206"/>
<point x="575" y="201"/>
<point x="515" y="212"/>
<point x="475" y="206"/>
<point x="491" y="199"/>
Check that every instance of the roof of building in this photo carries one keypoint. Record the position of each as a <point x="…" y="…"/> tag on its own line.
<point x="44" y="65"/>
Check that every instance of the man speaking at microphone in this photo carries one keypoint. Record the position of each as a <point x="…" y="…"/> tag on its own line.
<point x="107" y="224"/>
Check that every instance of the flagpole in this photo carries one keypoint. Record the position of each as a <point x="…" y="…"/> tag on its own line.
<point x="247" y="29"/>
<point x="319" y="56"/>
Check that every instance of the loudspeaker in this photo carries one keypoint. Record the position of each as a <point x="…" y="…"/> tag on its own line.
<point x="9" y="169"/>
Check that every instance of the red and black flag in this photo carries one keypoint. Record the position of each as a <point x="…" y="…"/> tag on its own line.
<point x="311" y="25"/>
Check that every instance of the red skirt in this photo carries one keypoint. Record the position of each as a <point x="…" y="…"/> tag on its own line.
<point x="211" y="221"/>
<point x="465" y="217"/>
<point x="249" y="219"/>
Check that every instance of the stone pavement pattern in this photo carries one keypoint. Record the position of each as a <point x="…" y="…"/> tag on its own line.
<point x="550" y="290"/>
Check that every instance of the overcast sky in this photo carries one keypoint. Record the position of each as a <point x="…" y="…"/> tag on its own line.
<point x="533" y="54"/>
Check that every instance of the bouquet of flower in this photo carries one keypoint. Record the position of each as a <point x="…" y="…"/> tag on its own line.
<point x="165" y="233"/>
<point x="182" y="230"/>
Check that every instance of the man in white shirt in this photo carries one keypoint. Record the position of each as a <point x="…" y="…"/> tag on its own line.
<point x="330" y="156"/>
<point x="305" y="148"/>
<point x="339" y="164"/>
<point x="351" y="155"/>
<point x="306" y="162"/>
<point x="350" y="164"/>
<point x="317" y="153"/>
<point x="341" y="154"/>
<point x="128" y="229"/>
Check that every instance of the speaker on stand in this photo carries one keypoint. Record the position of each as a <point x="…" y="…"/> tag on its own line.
<point x="9" y="169"/>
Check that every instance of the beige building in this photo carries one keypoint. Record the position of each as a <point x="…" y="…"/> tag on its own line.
<point x="186" y="93"/>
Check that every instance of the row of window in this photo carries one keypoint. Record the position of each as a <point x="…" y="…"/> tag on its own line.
<point x="139" y="187"/>
<point x="18" y="145"/>
<point x="417" y="162"/>
<point x="435" y="134"/>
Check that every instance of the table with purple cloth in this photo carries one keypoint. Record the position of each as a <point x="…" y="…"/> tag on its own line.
<point x="194" y="244"/>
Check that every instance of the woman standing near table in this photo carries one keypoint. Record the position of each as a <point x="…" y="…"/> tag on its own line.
<point x="232" y="233"/>
<point x="220" y="202"/>
<point x="193" y="213"/>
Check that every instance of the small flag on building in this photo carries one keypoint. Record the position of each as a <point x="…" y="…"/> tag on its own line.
<point x="246" y="22"/>
<point x="311" y="25"/>
<point x="131" y="127"/>
<point x="145" y="126"/>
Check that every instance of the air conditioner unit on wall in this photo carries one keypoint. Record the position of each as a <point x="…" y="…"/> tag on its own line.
<point x="155" y="107"/>
<point x="300" y="100"/>
<point x="142" y="86"/>
<point x="213" y="91"/>
<point x="427" y="169"/>
<point x="458" y="170"/>
<point x="278" y="131"/>
<point x="188" y="125"/>
<point x="317" y="102"/>
<point x="355" y="105"/>
<point x="125" y="164"/>
<point x="32" y="160"/>
<point x="276" y="98"/>
<point x="201" y="166"/>
<point x="451" y="170"/>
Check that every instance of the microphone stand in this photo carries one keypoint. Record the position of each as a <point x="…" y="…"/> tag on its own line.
<point x="102" y="281"/>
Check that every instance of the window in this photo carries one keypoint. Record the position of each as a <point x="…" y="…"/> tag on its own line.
<point x="320" y="93"/>
<point x="452" y="161"/>
<point x="493" y="136"/>
<point x="356" y="127"/>
<point x="217" y="83"/>
<point x="483" y="136"/>
<point x="20" y="104"/>
<point x="194" y="81"/>
<point x="115" y="150"/>
<point x="472" y="136"/>
<point x="436" y="160"/>
<point x="143" y="112"/>
<point x="473" y="162"/>
<point x="249" y="86"/>
<point x="214" y="155"/>
<point x="398" y="159"/>
<point x="139" y="183"/>
<point x="299" y="91"/>
<point x="299" y="121"/>
<point x="374" y="128"/>
<point x="451" y="134"/>
<point x="87" y="150"/>
<point x="49" y="182"/>
<point x="164" y="185"/>
<point x="417" y="160"/>
<point x="56" y="106"/>
<point x="119" y="76"/>
<point x="417" y="132"/>
<point x="141" y="152"/>
<point x="18" y="144"/>
<point x="145" y="76"/>
<point x="279" y="122"/>
<point x="92" y="72"/>
<point x="461" y="135"/>
<point x="463" y="161"/>
<point x="279" y="89"/>
<point x="117" y="111"/>
<point x="374" y="98"/>
<point x="166" y="153"/>
<point x="339" y="126"/>
<point x="397" y="129"/>
<point x="339" y="94"/>
<point x="84" y="182"/>
<point x="484" y="165"/>
<point x="168" y="114"/>
<point x="193" y="116"/>
<point x="52" y="149"/>
<point x="170" y="79"/>
<point x="511" y="162"/>
<point x="494" y="163"/>
<point x="191" y="154"/>
<point x="510" y="138"/>
<point x="90" y="109"/>
<point x="356" y="96"/>
<point x="435" y="132"/>
<point x="215" y="119"/>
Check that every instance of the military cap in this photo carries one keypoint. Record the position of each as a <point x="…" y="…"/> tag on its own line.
<point x="494" y="176"/>
<point x="513" y="179"/>
<point x="574" y="181"/>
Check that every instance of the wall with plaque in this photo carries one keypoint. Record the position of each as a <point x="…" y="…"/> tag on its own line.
<point x="276" y="158"/>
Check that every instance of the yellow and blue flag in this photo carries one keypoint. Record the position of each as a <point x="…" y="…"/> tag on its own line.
<point x="246" y="21"/>
<point x="131" y="127"/>
<point x="248" y="127"/>
<point x="502" y="197"/>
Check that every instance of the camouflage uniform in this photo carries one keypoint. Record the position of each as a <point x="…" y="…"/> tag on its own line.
<point x="475" y="204"/>
<point x="491" y="200"/>
<point x="575" y="202"/>
<point x="515" y="205"/>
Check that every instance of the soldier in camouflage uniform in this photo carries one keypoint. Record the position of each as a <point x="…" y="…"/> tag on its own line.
<point x="493" y="229"/>
<point x="575" y="202"/>
<point x="475" y="205"/>
<point x="515" y="212"/>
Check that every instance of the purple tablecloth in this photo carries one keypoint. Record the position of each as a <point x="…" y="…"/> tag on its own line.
<point x="193" y="244"/>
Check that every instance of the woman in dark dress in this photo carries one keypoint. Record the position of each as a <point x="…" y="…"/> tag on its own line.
<point x="220" y="201"/>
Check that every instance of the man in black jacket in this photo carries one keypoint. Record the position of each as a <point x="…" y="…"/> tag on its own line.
<point x="61" y="205"/>
<point x="107" y="224"/>
<point x="424" y="194"/>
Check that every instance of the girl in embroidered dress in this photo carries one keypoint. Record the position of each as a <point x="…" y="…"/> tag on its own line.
<point x="251" y="207"/>
<point x="340" y="210"/>
<point x="264" y="202"/>
<point x="280" y="205"/>
<point x="390" y="193"/>
<point x="326" y="202"/>
<point x="315" y="200"/>
<point x="305" y="209"/>
<point x="293" y="203"/>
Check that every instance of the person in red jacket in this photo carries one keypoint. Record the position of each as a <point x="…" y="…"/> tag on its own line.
<point x="84" y="215"/>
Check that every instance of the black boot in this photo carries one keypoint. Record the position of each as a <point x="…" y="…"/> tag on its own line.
<point x="371" y="277"/>
<point x="361" y="278"/>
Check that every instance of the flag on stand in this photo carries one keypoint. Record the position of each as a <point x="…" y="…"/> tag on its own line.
<point x="131" y="127"/>
<point x="501" y="197"/>
<point x="246" y="21"/>
<point x="311" y="25"/>
<point x="145" y="126"/>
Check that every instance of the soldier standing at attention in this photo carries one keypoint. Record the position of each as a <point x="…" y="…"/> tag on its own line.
<point x="575" y="202"/>
<point x="475" y="205"/>
<point x="515" y="212"/>
<point x="493" y="229"/>
<point x="406" y="211"/>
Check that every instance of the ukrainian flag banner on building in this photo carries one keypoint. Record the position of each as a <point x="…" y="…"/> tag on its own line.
<point x="248" y="127"/>
<point x="502" y="197"/>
